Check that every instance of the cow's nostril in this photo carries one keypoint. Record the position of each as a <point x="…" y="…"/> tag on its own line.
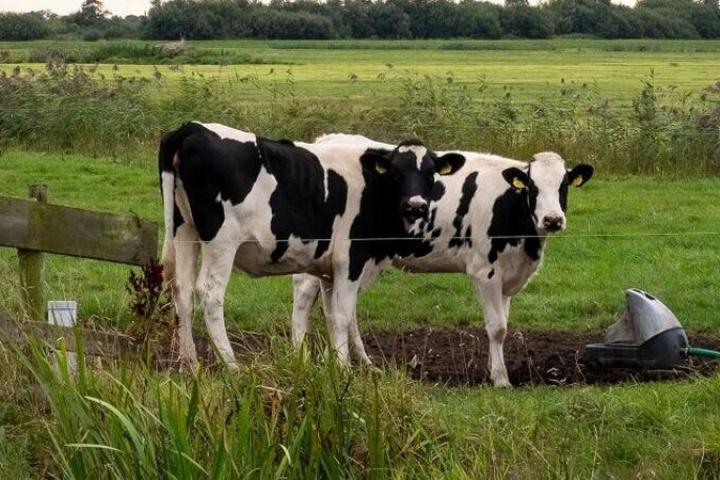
<point x="415" y="212"/>
<point x="552" y="224"/>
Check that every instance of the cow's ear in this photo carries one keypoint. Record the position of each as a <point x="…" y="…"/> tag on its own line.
<point x="449" y="163"/>
<point x="377" y="160"/>
<point x="516" y="178"/>
<point x="580" y="175"/>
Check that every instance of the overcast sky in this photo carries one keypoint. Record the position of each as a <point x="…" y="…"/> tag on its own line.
<point x="118" y="7"/>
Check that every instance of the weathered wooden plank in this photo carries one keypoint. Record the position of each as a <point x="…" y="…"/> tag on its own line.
<point x="103" y="344"/>
<point x="79" y="233"/>
<point x="32" y="269"/>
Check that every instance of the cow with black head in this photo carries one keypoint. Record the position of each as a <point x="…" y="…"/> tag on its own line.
<point x="490" y="221"/>
<point x="277" y="207"/>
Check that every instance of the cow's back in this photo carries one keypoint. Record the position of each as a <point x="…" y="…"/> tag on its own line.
<point x="281" y="204"/>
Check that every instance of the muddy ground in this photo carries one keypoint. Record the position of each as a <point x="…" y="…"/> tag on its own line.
<point x="459" y="357"/>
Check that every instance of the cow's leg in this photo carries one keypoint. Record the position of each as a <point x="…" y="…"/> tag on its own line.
<point x="186" y="251"/>
<point x="358" y="342"/>
<point x="495" y="306"/>
<point x="305" y="292"/>
<point x="326" y="289"/>
<point x="354" y="333"/>
<point x="217" y="263"/>
<point x="343" y="301"/>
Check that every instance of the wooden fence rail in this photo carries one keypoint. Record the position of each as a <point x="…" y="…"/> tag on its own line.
<point x="34" y="227"/>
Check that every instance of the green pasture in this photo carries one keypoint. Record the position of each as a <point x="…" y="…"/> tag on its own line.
<point x="360" y="70"/>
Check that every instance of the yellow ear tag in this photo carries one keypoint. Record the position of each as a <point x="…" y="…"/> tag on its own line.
<point x="577" y="181"/>
<point x="380" y="169"/>
<point x="518" y="184"/>
<point x="447" y="168"/>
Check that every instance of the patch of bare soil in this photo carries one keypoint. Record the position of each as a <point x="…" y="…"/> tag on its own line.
<point x="459" y="357"/>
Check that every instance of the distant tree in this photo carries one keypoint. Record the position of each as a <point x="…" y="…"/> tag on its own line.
<point x="172" y="19"/>
<point x="23" y="26"/>
<point x="91" y="13"/>
<point x="706" y="20"/>
<point x="479" y="19"/>
<point x="525" y="21"/>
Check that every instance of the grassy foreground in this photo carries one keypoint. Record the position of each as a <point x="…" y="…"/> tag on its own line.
<point x="283" y="417"/>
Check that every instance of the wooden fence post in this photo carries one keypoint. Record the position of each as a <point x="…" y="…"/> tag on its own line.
<point x="32" y="269"/>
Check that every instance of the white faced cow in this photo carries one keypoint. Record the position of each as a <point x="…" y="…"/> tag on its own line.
<point x="490" y="221"/>
<point x="272" y="207"/>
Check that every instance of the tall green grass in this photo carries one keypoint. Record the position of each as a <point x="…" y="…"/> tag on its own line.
<point x="283" y="416"/>
<point x="77" y="109"/>
<point x="288" y="419"/>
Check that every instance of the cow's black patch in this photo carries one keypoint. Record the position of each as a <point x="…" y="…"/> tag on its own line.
<point x="169" y="146"/>
<point x="438" y="191"/>
<point x="210" y="167"/>
<point x="468" y="192"/>
<point x="177" y="218"/>
<point x="563" y="193"/>
<point x="512" y="223"/>
<point x="300" y="206"/>
<point x="378" y="218"/>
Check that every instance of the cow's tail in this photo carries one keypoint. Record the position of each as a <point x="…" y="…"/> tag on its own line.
<point x="167" y="162"/>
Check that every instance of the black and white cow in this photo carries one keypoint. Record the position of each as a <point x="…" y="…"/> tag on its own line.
<point x="490" y="221"/>
<point x="277" y="207"/>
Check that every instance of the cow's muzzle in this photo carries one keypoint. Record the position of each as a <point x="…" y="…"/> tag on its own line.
<point x="415" y="207"/>
<point x="413" y="213"/>
<point x="552" y="223"/>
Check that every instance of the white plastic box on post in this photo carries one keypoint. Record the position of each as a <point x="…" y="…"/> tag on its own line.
<point x="63" y="313"/>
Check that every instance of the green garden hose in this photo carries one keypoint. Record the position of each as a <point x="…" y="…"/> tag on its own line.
<point x="703" y="352"/>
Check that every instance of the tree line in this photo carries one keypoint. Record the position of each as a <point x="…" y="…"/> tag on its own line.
<point x="387" y="19"/>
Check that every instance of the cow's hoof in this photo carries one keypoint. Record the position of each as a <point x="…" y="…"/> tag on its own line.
<point x="188" y="366"/>
<point x="502" y="383"/>
<point x="365" y="361"/>
<point x="368" y="366"/>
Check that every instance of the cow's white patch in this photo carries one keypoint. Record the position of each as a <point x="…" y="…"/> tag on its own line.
<point x="416" y="201"/>
<point x="224" y="131"/>
<point x="419" y="152"/>
<point x="349" y="139"/>
<point x="325" y="183"/>
<point x="547" y="172"/>
<point x="251" y="220"/>
<point x="168" y="190"/>
<point x="182" y="202"/>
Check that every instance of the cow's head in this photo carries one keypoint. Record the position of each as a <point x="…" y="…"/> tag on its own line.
<point x="544" y="185"/>
<point x="411" y="169"/>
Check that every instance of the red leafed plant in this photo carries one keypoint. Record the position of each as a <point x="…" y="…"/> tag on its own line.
<point x="153" y="321"/>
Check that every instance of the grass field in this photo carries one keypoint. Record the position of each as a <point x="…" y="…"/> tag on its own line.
<point x="355" y="69"/>
<point x="280" y="417"/>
